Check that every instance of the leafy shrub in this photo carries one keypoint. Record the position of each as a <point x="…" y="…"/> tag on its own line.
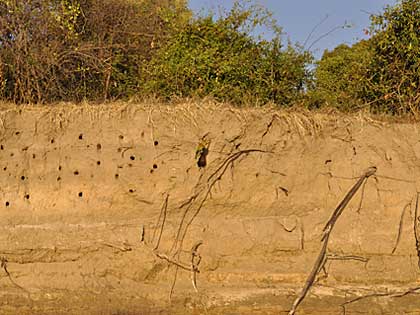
<point x="395" y="68"/>
<point x="220" y="58"/>
<point x="341" y="77"/>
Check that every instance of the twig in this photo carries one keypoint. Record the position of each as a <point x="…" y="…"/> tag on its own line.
<point x="337" y="212"/>
<point x="416" y="229"/>
<point x="322" y="257"/>
<point x="3" y="264"/>
<point x="384" y="294"/>
<point x="195" y="262"/>
<point x="400" y="227"/>
<point x="162" y="214"/>
<point x="171" y="261"/>
<point x="314" y="29"/>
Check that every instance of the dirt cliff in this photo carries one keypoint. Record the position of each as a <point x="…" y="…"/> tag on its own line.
<point x="105" y="211"/>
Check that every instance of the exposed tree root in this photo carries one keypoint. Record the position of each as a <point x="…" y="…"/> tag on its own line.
<point x="416" y="228"/>
<point x="400" y="227"/>
<point x="322" y="256"/>
<point x="212" y="174"/>
<point x="397" y="294"/>
<point x="3" y="264"/>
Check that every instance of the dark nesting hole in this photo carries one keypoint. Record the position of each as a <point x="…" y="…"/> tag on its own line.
<point x="98" y="162"/>
<point x="7" y="203"/>
<point x="116" y="176"/>
<point x="76" y="173"/>
<point x="22" y="177"/>
<point x="130" y="165"/>
<point x="12" y="154"/>
<point x="132" y="158"/>
<point x="81" y="136"/>
<point x="5" y="168"/>
<point x="34" y="156"/>
<point x="142" y="134"/>
<point x="155" y="166"/>
<point x="151" y="171"/>
<point x="17" y="133"/>
<point x="80" y="194"/>
<point x="156" y="142"/>
<point x="1" y="147"/>
<point x="27" y="196"/>
<point x="98" y="146"/>
<point x="59" y="167"/>
<point x="58" y="178"/>
<point x="131" y="191"/>
<point x="121" y="137"/>
<point x="52" y="141"/>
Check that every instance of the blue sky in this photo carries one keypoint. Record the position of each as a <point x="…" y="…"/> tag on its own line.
<point x="299" y="17"/>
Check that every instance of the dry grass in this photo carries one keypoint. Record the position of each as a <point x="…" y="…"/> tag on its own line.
<point x="296" y="119"/>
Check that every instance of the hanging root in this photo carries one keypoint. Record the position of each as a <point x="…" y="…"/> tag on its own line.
<point x="322" y="256"/>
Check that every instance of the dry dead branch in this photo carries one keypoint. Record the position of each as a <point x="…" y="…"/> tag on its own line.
<point x="3" y="264"/>
<point x="400" y="227"/>
<point x="398" y="294"/>
<point x="322" y="256"/>
<point x="162" y="217"/>
<point x="416" y="228"/>
<point x="195" y="262"/>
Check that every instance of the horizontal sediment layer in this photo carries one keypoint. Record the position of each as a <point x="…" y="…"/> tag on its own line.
<point x="105" y="210"/>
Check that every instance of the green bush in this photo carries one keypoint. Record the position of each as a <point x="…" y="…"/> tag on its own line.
<point x="220" y="58"/>
<point x="395" y="68"/>
<point x="341" y="77"/>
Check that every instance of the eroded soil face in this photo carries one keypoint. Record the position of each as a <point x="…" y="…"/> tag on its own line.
<point x="105" y="211"/>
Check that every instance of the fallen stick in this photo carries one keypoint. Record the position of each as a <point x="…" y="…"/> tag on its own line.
<point x="416" y="228"/>
<point x="322" y="257"/>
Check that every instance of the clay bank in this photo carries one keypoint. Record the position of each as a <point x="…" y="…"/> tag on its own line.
<point x="104" y="210"/>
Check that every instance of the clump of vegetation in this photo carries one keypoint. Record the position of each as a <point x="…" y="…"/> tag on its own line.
<point x="395" y="66"/>
<point x="71" y="50"/>
<point x="340" y="79"/>
<point x="220" y="58"/>
<point x="382" y="73"/>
